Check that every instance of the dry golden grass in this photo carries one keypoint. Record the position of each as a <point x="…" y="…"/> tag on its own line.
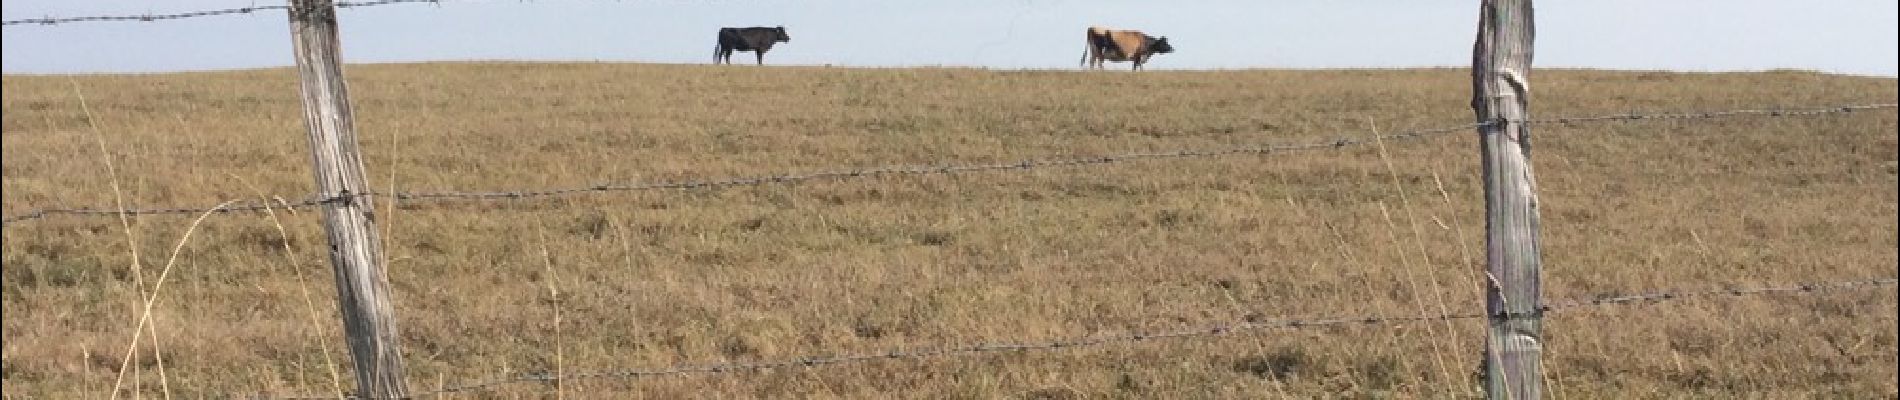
<point x="662" y="278"/>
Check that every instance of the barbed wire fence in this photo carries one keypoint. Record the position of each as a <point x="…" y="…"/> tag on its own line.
<point x="953" y="167"/>
<point x="1200" y="332"/>
<point x="942" y="168"/>
<point x="194" y="14"/>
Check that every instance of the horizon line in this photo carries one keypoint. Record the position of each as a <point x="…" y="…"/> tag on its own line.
<point x="930" y="66"/>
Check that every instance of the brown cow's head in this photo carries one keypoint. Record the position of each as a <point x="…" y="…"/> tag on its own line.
<point x="1159" y="45"/>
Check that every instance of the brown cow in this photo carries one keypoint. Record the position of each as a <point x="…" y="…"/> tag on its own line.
<point x="1122" y="45"/>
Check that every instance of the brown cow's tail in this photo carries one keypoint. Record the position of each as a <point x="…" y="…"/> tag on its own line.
<point x="1088" y="50"/>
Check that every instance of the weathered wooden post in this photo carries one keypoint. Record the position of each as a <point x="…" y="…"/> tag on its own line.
<point x="355" y="249"/>
<point x="1500" y="82"/>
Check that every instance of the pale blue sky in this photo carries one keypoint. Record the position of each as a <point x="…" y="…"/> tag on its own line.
<point x="1841" y="36"/>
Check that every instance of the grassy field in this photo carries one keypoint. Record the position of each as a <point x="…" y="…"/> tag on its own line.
<point x="662" y="278"/>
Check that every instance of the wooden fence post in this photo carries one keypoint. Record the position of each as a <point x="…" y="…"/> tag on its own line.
<point x="355" y="249"/>
<point x="1500" y="81"/>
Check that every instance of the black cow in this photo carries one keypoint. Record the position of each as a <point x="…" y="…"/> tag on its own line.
<point x="756" y="39"/>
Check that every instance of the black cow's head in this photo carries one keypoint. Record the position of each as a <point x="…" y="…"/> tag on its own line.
<point x="1160" y="45"/>
<point x="779" y="35"/>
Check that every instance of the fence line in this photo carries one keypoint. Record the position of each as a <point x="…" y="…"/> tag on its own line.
<point x="194" y="14"/>
<point x="1769" y="112"/>
<point x="1200" y="332"/>
<point x="840" y="174"/>
<point x="785" y="178"/>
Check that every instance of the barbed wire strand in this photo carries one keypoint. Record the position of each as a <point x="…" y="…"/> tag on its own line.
<point x="194" y="14"/>
<point x="1805" y="111"/>
<point x="1216" y="330"/>
<point x="1131" y="338"/>
<point x="1023" y="165"/>
<point x="1206" y="331"/>
<point x="412" y="197"/>
<point x="1665" y="296"/>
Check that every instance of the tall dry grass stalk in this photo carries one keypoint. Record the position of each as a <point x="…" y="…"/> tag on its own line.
<point x="1418" y="238"/>
<point x="303" y="288"/>
<point x="387" y="219"/>
<point x="554" y="302"/>
<point x="131" y="244"/>
<point x="158" y="285"/>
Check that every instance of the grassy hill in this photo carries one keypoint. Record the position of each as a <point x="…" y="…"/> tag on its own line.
<point x="661" y="278"/>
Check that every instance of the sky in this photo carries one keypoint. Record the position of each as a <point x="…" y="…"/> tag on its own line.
<point x="1857" y="37"/>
